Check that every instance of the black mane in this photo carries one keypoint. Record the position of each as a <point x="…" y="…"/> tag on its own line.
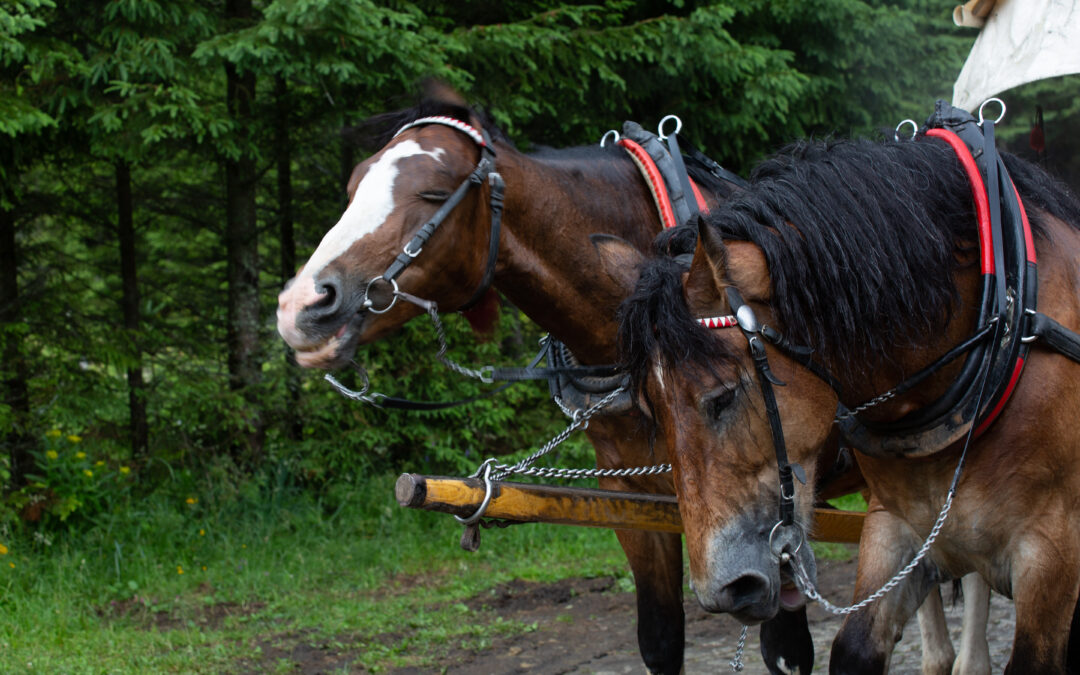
<point x="861" y="241"/>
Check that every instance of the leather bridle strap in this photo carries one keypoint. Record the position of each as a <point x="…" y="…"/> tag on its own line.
<point x="748" y="324"/>
<point x="484" y="171"/>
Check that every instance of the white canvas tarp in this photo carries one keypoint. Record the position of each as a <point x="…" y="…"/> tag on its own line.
<point x="1022" y="41"/>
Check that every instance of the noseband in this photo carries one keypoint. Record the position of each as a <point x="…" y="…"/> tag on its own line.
<point x="485" y="170"/>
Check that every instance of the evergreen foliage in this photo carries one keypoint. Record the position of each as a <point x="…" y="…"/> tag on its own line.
<point x="96" y="90"/>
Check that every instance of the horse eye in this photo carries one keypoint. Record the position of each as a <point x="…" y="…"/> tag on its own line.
<point x="435" y="195"/>
<point x="715" y="406"/>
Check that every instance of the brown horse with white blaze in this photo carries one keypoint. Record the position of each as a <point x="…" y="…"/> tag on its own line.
<point x="866" y="254"/>
<point x="546" y="264"/>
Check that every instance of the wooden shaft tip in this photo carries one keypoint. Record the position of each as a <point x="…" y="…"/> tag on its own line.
<point x="410" y="490"/>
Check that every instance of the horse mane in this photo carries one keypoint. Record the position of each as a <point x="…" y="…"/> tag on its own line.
<point x="861" y="239"/>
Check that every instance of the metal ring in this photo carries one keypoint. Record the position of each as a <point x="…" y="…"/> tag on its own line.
<point x="610" y="132"/>
<point x="367" y="296"/>
<point x="914" y="129"/>
<point x="772" y="534"/>
<point x="992" y="100"/>
<point x="488" y="490"/>
<point x="660" y="127"/>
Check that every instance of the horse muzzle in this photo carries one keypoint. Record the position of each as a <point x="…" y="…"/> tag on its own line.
<point x="745" y="578"/>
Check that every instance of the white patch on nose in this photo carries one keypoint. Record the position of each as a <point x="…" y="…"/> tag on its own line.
<point x="371" y="205"/>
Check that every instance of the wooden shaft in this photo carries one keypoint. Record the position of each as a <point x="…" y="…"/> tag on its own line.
<point x="579" y="506"/>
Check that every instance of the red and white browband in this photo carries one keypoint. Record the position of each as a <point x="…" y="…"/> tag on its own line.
<point x="449" y="122"/>
<point x="719" y="321"/>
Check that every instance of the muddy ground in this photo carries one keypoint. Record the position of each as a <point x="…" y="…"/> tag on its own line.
<point x="587" y="627"/>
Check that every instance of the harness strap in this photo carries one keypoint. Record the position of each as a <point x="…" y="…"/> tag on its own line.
<point x="1057" y="336"/>
<point x="748" y="324"/>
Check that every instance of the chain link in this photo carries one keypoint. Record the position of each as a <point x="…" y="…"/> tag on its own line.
<point x="578" y="419"/>
<point x="737" y="663"/>
<point x="881" y="398"/>
<point x="802" y="578"/>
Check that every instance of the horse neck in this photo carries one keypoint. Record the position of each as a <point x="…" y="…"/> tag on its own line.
<point x="548" y="266"/>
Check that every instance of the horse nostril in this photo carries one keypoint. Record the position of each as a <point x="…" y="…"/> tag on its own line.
<point x="329" y="299"/>
<point x="749" y="589"/>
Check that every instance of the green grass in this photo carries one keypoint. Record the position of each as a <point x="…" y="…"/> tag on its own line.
<point x="214" y="579"/>
<point x="207" y="588"/>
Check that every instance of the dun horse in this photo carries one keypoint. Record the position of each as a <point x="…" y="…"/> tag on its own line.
<point x="845" y="269"/>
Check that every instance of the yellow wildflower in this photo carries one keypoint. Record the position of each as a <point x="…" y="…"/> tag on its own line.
<point x="191" y="500"/>
<point x="89" y="473"/>
<point x="80" y="455"/>
<point x="100" y="462"/>
<point x="202" y="533"/>
<point x="125" y="470"/>
<point x="179" y="569"/>
<point x="54" y="433"/>
<point x="51" y="454"/>
<point x="204" y="568"/>
<point x="12" y="565"/>
<point x="75" y="439"/>
<point x="3" y="549"/>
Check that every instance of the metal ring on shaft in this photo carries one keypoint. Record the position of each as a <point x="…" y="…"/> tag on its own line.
<point x="488" y="490"/>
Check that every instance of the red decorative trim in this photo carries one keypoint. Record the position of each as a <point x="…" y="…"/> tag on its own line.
<point x="702" y="206"/>
<point x="1004" y="398"/>
<point x="978" y="191"/>
<point x="719" y="321"/>
<point x="655" y="181"/>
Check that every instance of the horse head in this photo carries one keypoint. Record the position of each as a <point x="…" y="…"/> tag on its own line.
<point x="346" y="293"/>
<point x="700" y="388"/>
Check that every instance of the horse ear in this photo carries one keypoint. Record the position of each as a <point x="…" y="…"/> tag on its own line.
<point x="708" y="268"/>
<point x="618" y="258"/>
<point x="718" y="264"/>
<point x="437" y="90"/>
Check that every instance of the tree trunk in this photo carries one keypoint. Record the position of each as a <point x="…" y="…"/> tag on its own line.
<point x="137" y="426"/>
<point x="13" y="368"/>
<point x="283" y="150"/>
<point x="242" y="250"/>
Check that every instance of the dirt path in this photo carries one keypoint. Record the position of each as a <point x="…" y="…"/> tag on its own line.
<point x="586" y="627"/>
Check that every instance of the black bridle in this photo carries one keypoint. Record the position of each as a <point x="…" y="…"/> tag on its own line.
<point x="484" y="171"/>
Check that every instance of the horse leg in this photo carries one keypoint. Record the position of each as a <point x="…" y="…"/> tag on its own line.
<point x="1045" y="596"/>
<point x="867" y="637"/>
<point x="656" y="560"/>
<point x="974" y="656"/>
<point x="786" y="643"/>
<point x="937" y="649"/>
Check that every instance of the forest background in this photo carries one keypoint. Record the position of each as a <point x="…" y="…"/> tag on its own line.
<point x="166" y="165"/>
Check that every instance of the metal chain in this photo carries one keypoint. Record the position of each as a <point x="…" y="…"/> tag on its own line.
<point x="484" y="373"/>
<point x="525" y="468"/>
<point x="736" y="663"/>
<point x="802" y="578"/>
<point x="881" y="398"/>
